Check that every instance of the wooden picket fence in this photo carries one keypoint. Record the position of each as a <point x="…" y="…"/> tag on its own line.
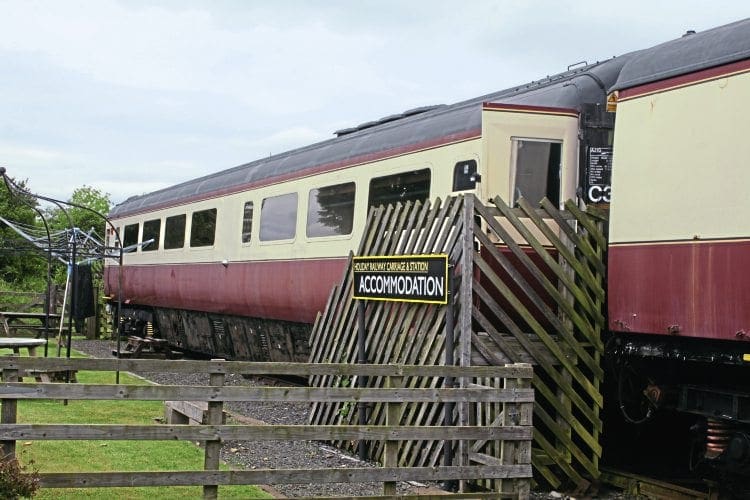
<point x="396" y="399"/>
<point x="528" y="287"/>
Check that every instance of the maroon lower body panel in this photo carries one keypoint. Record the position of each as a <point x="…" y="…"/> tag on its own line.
<point x="285" y="290"/>
<point x="691" y="289"/>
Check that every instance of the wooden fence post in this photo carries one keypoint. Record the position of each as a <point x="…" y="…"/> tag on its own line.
<point x="517" y="453"/>
<point x="392" y="418"/>
<point x="8" y="415"/>
<point x="213" y="448"/>
<point x="465" y="299"/>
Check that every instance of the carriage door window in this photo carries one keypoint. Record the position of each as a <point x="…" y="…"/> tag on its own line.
<point x="537" y="171"/>
<point x="247" y="222"/>
<point x="402" y="187"/>
<point x="465" y="175"/>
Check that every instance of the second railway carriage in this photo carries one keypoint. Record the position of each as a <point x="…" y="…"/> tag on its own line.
<point x="242" y="260"/>
<point x="679" y="252"/>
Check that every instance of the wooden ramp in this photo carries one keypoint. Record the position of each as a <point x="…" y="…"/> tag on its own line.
<point x="528" y="288"/>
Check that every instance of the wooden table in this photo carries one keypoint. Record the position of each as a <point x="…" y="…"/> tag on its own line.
<point x="44" y="376"/>
<point x="11" y="320"/>
<point x="16" y="343"/>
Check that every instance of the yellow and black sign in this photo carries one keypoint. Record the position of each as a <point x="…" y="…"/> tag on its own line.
<point x="404" y="278"/>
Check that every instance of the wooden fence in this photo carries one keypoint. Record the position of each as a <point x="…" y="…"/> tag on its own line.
<point x="528" y="287"/>
<point x="31" y="301"/>
<point x="23" y="302"/>
<point x="396" y="400"/>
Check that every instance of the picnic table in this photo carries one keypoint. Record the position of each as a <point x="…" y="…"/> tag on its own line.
<point x="16" y="343"/>
<point x="45" y="376"/>
<point x="12" y="321"/>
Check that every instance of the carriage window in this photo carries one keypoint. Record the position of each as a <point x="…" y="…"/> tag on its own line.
<point x="465" y="175"/>
<point x="330" y="210"/>
<point x="537" y="171"/>
<point x="203" y="228"/>
<point x="405" y="186"/>
<point x="278" y="217"/>
<point x="247" y="222"/>
<point x="130" y="236"/>
<point x="174" y="231"/>
<point x="151" y="231"/>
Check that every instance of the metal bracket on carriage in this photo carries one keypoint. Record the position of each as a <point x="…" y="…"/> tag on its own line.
<point x="674" y="329"/>
<point x="147" y="348"/>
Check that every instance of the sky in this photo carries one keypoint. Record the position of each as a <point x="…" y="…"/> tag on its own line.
<point x="131" y="96"/>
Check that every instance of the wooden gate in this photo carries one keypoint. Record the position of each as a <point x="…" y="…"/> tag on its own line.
<point x="528" y="288"/>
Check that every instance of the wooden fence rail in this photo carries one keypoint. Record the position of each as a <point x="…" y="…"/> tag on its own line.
<point x="395" y="398"/>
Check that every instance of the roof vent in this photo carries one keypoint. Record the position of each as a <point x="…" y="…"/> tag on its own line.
<point x="688" y="33"/>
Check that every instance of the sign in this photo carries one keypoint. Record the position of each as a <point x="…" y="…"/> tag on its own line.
<point x="599" y="175"/>
<point x="402" y="278"/>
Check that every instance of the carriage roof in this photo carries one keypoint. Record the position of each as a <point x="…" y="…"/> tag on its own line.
<point x="392" y="133"/>
<point x="445" y="123"/>
<point x="690" y="53"/>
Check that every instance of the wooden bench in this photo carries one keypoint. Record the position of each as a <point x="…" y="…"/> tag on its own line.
<point x="14" y="321"/>
<point x="48" y="376"/>
<point x="188" y="412"/>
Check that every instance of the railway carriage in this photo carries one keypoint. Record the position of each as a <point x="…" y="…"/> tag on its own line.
<point x="241" y="261"/>
<point x="679" y="248"/>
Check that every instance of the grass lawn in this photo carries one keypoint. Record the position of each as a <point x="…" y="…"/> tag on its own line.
<point x="95" y="456"/>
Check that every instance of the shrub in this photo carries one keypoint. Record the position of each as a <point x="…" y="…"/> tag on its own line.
<point x="15" y="482"/>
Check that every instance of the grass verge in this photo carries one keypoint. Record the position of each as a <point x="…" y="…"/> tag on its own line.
<point x="100" y="456"/>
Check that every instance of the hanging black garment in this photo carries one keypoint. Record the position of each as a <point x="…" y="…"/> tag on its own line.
<point x="84" y="293"/>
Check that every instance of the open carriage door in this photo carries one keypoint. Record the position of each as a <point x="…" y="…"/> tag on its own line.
<point x="531" y="152"/>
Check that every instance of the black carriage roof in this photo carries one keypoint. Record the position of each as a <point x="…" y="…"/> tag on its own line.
<point x="692" y="52"/>
<point x="417" y="126"/>
<point x="570" y="89"/>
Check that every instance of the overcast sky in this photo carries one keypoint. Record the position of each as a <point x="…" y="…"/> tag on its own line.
<point x="133" y="96"/>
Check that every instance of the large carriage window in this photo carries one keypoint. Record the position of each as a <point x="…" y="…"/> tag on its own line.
<point x="330" y="210"/>
<point x="278" y="217"/>
<point x="203" y="228"/>
<point x="465" y="175"/>
<point x="247" y="222"/>
<point x="537" y="171"/>
<point x="174" y="231"/>
<point x="130" y="236"/>
<point x="151" y="231"/>
<point x="403" y="187"/>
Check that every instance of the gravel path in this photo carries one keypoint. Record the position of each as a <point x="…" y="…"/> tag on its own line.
<point x="267" y="454"/>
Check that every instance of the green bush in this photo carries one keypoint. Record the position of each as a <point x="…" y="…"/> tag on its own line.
<point x="15" y="481"/>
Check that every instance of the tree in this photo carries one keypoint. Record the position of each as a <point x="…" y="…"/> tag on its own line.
<point x="21" y="266"/>
<point x="85" y="196"/>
